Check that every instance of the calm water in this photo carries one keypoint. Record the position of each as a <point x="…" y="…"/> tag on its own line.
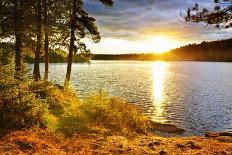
<point x="196" y="96"/>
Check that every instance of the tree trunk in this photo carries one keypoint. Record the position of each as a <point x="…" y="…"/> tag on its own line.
<point x="18" y="42"/>
<point x="46" y="44"/>
<point x="18" y="60"/>
<point x="70" y="58"/>
<point x="71" y="47"/>
<point x="36" y="71"/>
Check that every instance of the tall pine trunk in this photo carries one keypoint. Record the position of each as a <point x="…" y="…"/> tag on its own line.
<point x="18" y="36"/>
<point x="46" y="43"/>
<point x="36" y="71"/>
<point x="72" y="41"/>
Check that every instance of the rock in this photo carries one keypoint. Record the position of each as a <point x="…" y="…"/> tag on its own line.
<point x="152" y="144"/>
<point x="189" y="144"/>
<point x="218" y="134"/>
<point x="225" y="139"/>
<point x="24" y="145"/>
<point x="166" y="128"/>
<point x="180" y="146"/>
<point x="163" y="153"/>
<point x="226" y="134"/>
<point x="192" y="145"/>
<point x="120" y="146"/>
<point x="120" y="151"/>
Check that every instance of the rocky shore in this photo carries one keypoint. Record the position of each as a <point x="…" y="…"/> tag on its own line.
<point x="169" y="128"/>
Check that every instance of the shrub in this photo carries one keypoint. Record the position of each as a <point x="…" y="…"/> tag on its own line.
<point x="25" y="103"/>
<point x="19" y="106"/>
<point x="115" y="114"/>
<point x="99" y="113"/>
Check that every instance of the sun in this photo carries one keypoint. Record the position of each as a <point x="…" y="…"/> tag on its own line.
<point x="160" y="44"/>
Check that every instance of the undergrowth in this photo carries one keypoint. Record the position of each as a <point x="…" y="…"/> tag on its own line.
<point x="25" y="103"/>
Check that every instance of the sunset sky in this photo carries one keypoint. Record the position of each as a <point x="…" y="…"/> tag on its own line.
<point x="133" y="26"/>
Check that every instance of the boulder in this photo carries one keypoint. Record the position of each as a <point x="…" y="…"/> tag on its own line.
<point x="166" y="128"/>
<point x="218" y="134"/>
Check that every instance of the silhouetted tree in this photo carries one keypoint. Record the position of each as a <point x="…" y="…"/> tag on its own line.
<point x="36" y="71"/>
<point x="18" y="35"/>
<point x="14" y="23"/>
<point x="221" y="16"/>
<point x="46" y="39"/>
<point x="54" y="13"/>
<point x="80" y="26"/>
<point x="26" y="22"/>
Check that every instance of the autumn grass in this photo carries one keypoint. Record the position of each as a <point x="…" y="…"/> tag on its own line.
<point x="96" y="113"/>
<point x="43" y="118"/>
<point x="46" y="142"/>
<point x="64" y="112"/>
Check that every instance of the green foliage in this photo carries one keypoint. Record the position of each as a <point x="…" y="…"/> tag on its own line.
<point x="220" y="16"/>
<point x="99" y="113"/>
<point x="19" y="106"/>
<point x="25" y="103"/>
<point x="206" y="51"/>
<point x="115" y="114"/>
<point x="62" y="105"/>
<point x="6" y="53"/>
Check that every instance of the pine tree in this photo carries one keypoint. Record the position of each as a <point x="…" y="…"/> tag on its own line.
<point x="46" y="40"/>
<point x="80" y="26"/>
<point x="221" y="16"/>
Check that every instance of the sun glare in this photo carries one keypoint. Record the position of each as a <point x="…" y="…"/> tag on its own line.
<point x="159" y="75"/>
<point x="152" y="44"/>
<point x="160" y="44"/>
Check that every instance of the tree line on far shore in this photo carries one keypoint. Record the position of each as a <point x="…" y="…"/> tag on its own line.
<point x="206" y="51"/>
<point x="220" y="50"/>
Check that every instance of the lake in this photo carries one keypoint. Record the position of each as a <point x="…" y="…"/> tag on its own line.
<point x="196" y="96"/>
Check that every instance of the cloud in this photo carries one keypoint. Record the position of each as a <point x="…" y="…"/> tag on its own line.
<point x="135" y="19"/>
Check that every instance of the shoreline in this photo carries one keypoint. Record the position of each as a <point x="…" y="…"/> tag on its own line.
<point x="44" y="142"/>
<point x="136" y="60"/>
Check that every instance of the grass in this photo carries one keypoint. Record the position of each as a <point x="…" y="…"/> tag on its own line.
<point x="46" y="142"/>
<point x="43" y="118"/>
<point x="97" y="113"/>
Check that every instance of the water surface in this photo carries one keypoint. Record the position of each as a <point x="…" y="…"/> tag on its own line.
<point x="196" y="96"/>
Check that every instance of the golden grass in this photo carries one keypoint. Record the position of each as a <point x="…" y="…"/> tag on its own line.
<point x="99" y="125"/>
<point x="45" y="142"/>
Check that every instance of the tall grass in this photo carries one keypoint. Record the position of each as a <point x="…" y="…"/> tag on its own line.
<point x="25" y="103"/>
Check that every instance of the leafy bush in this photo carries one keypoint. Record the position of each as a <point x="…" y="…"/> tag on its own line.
<point x="19" y="106"/>
<point x="99" y="113"/>
<point x="25" y="103"/>
<point x="116" y="114"/>
<point x="62" y="103"/>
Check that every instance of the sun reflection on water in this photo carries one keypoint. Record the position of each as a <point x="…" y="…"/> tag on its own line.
<point x="159" y="75"/>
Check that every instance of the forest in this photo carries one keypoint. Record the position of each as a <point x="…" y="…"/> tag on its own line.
<point x="216" y="51"/>
<point x="220" y="50"/>
<point x="37" y="26"/>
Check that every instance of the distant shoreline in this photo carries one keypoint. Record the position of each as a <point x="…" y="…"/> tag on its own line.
<point x="122" y="59"/>
<point x="137" y="60"/>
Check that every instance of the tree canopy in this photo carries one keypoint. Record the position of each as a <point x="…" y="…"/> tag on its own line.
<point x="37" y="26"/>
<point x="220" y="16"/>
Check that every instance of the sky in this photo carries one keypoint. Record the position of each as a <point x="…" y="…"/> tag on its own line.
<point x="146" y="26"/>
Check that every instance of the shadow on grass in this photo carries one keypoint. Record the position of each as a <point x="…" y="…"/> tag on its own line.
<point x="72" y="125"/>
<point x="57" y="110"/>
